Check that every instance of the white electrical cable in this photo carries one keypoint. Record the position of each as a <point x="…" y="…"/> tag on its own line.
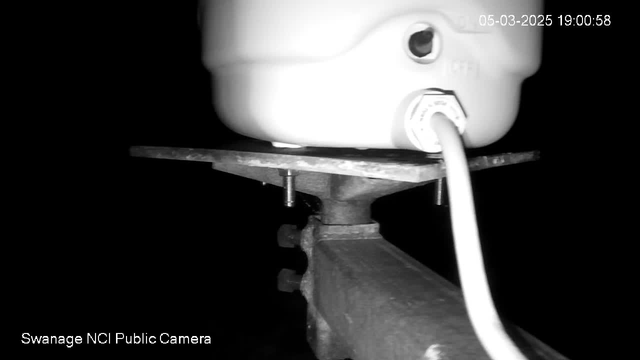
<point x="473" y="279"/>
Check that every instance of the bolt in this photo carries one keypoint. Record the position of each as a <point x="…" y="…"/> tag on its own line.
<point x="439" y="192"/>
<point x="289" y="236"/>
<point x="288" y="280"/>
<point x="288" y="183"/>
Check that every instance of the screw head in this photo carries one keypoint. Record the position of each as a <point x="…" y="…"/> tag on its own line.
<point x="288" y="280"/>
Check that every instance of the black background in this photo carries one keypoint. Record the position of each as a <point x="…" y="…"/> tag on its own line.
<point x="108" y="243"/>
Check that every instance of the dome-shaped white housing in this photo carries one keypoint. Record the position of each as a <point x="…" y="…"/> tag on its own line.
<point x="341" y="73"/>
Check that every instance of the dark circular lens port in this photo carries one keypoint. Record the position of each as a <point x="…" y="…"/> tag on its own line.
<point x="421" y="43"/>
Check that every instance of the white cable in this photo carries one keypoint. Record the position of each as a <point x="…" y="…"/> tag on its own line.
<point x="475" y="287"/>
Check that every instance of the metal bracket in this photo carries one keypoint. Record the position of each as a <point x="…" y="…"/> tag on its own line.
<point x="366" y="298"/>
<point x="346" y="180"/>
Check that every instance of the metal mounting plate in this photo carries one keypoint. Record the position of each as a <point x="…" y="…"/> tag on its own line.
<point x="398" y="165"/>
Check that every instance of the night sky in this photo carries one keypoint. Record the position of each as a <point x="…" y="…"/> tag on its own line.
<point x="110" y="243"/>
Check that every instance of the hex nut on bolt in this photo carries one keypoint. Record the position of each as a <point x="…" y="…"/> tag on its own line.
<point x="288" y="280"/>
<point x="289" y="236"/>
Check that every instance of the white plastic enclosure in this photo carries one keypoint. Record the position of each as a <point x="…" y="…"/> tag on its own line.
<point x="342" y="73"/>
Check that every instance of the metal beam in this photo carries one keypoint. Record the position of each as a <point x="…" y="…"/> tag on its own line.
<point x="368" y="300"/>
